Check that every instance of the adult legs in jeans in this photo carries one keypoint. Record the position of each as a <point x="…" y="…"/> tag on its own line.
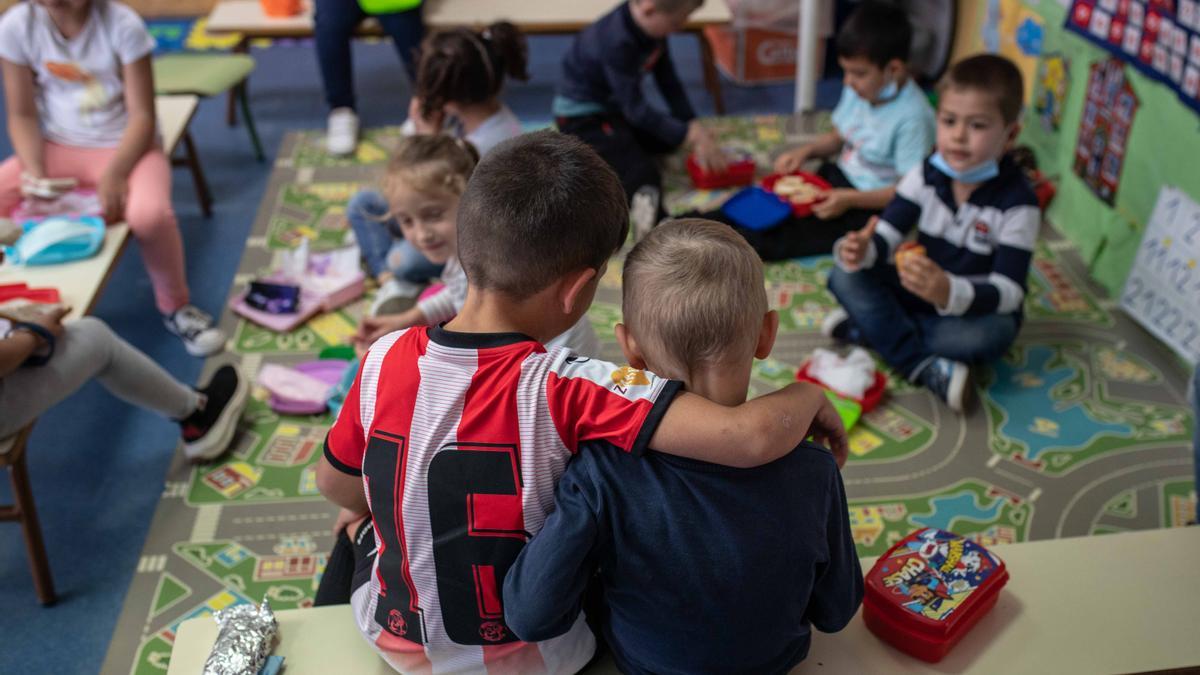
<point x="334" y="24"/>
<point x="89" y="349"/>
<point x="406" y="30"/>
<point x="891" y="321"/>
<point x="367" y="213"/>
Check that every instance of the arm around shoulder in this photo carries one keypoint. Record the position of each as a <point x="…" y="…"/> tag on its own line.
<point x="752" y="434"/>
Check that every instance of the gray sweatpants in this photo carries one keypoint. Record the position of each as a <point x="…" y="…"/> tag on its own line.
<point x="89" y="349"/>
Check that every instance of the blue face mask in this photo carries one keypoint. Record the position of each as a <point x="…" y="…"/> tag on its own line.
<point x="979" y="173"/>
<point x="890" y="91"/>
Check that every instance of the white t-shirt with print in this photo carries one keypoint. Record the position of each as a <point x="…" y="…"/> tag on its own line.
<point x="78" y="83"/>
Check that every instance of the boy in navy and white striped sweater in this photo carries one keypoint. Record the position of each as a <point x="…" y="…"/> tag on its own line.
<point x="958" y="301"/>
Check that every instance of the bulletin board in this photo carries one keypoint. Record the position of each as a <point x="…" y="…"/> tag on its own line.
<point x="1160" y="37"/>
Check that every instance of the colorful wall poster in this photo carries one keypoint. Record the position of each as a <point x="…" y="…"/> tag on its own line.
<point x="1108" y="115"/>
<point x="1160" y="37"/>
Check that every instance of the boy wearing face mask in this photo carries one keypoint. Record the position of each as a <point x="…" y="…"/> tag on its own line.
<point x="955" y="298"/>
<point x="883" y="126"/>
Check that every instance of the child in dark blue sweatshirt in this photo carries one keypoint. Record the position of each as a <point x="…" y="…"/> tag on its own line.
<point x="704" y="568"/>
<point x="599" y="97"/>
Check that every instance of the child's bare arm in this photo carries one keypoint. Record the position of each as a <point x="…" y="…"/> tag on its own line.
<point x="826" y="144"/>
<point x="754" y="433"/>
<point x="341" y="488"/>
<point x="24" y="125"/>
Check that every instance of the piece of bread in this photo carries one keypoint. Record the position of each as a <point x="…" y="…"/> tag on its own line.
<point x="907" y="250"/>
<point x="796" y="190"/>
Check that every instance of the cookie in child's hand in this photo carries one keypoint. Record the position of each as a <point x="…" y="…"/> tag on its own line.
<point x="907" y="251"/>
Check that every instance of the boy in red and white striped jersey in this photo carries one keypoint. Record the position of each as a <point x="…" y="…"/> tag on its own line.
<point x="454" y="436"/>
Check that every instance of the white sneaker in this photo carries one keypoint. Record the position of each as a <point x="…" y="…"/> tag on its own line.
<point x="395" y="296"/>
<point x="195" y="327"/>
<point x="831" y="327"/>
<point x="643" y="211"/>
<point x="341" y="136"/>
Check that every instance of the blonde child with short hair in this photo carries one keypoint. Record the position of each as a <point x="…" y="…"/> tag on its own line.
<point x="696" y="311"/>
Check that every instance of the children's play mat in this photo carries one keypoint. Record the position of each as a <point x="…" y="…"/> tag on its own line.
<point x="1082" y="430"/>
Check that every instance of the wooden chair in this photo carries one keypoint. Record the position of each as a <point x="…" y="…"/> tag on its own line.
<point x="175" y="112"/>
<point x="12" y="457"/>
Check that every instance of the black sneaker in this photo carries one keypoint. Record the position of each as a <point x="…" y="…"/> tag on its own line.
<point x="208" y="431"/>
<point x="195" y="327"/>
<point x="949" y="380"/>
<point x="839" y="326"/>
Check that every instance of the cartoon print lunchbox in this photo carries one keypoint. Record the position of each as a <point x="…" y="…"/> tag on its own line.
<point x="929" y="589"/>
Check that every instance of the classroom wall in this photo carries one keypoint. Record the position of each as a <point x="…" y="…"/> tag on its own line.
<point x="1163" y="146"/>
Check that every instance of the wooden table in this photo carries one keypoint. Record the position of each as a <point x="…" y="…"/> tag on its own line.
<point x="175" y="113"/>
<point x="1117" y="603"/>
<point x="79" y="283"/>
<point x="246" y="18"/>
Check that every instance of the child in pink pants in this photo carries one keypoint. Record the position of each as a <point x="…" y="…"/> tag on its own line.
<point x="79" y="93"/>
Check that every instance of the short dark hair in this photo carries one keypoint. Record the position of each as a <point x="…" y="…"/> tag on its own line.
<point x="538" y="207"/>
<point x="993" y="74"/>
<point x="876" y="31"/>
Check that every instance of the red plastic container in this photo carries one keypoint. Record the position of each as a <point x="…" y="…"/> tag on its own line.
<point x="22" y="291"/>
<point x="928" y="590"/>
<point x="738" y="173"/>
<point x="870" y="398"/>
<point x="799" y="210"/>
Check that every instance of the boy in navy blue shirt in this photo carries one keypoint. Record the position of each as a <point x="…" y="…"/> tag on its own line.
<point x="703" y="568"/>
<point x="600" y="101"/>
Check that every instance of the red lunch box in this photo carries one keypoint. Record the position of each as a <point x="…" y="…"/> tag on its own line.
<point x="929" y="589"/>
<point x="737" y="173"/>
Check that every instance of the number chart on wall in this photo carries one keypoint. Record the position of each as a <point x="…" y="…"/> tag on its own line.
<point x="1163" y="289"/>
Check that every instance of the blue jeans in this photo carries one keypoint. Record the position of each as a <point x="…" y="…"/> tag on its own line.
<point x="907" y="331"/>
<point x="383" y="252"/>
<point x="335" y="22"/>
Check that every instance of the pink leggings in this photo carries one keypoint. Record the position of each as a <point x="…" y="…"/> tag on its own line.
<point x="147" y="210"/>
